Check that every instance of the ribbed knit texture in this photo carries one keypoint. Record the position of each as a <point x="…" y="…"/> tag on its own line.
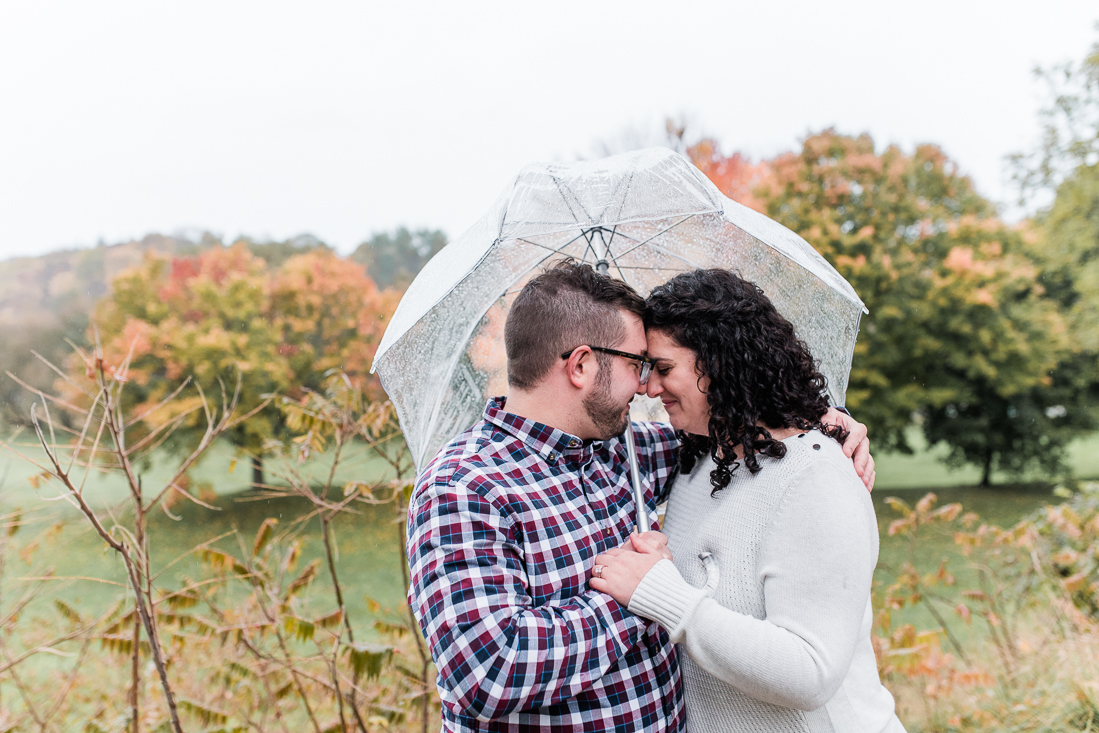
<point x="783" y="644"/>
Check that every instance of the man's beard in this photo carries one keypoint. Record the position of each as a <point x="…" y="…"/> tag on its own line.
<point x="606" y="415"/>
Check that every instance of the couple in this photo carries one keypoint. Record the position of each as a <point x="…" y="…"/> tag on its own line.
<point x="544" y="613"/>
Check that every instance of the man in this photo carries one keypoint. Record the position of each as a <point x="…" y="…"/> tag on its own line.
<point x="505" y="522"/>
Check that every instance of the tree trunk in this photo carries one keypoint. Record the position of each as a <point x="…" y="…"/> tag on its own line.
<point x="986" y="475"/>
<point x="257" y="471"/>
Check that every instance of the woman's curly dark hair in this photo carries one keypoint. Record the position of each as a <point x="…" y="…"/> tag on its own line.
<point x="759" y="371"/>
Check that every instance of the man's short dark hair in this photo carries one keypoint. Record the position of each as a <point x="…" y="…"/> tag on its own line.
<point x="566" y="306"/>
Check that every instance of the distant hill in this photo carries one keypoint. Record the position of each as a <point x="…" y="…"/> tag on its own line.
<point x="46" y="300"/>
<point x="44" y="290"/>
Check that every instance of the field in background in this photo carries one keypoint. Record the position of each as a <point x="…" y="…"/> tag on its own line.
<point x="370" y="557"/>
<point x="923" y="470"/>
<point x="367" y="542"/>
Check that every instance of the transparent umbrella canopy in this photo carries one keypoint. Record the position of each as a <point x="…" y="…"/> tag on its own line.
<point x="643" y="217"/>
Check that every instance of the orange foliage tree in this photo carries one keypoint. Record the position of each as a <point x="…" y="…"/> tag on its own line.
<point x="959" y="331"/>
<point x="223" y="312"/>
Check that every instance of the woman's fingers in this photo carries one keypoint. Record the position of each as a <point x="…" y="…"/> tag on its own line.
<point x="654" y="537"/>
<point x="856" y="431"/>
<point x="643" y="546"/>
<point x="869" y="473"/>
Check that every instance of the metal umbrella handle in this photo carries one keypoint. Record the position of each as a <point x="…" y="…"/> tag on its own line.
<point x="635" y="476"/>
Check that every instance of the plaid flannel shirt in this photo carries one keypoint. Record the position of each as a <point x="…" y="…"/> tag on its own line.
<point x="503" y="526"/>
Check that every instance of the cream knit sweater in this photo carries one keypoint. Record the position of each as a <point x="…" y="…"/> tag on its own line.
<point x="769" y="596"/>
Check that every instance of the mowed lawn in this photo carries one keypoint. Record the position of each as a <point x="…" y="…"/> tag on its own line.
<point x="369" y="555"/>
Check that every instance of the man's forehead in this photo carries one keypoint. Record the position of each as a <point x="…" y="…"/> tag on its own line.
<point x="635" y="341"/>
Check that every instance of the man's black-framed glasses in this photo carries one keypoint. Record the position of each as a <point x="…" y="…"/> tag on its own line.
<point x="646" y="362"/>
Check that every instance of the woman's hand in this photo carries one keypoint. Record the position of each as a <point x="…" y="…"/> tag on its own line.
<point x="618" y="571"/>
<point x="653" y="537"/>
<point x="856" y="447"/>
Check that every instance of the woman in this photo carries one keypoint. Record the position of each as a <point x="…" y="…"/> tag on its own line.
<point x="773" y="535"/>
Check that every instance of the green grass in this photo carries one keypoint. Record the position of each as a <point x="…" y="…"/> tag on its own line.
<point x="369" y="559"/>
<point x="222" y="468"/>
<point x="58" y="541"/>
<point x="924" y="469"/>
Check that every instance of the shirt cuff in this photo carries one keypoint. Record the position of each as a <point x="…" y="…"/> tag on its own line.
<point x="665" y="597"/>
<point x="625" y="629"/>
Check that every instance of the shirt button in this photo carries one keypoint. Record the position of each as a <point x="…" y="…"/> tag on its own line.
<point x="574" y="443"/>
<point x="607" y="530"/>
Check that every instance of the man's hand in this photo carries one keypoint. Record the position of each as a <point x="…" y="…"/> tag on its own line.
<point x="856" y="447"/>
<point x="619" y="571"/>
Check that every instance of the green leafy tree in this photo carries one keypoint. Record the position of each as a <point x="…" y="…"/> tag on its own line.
<point x="959" y="332"/>
<point x="395" y="259"/>
<point x="1065" y="167"/>
<point x="275" y="253"/>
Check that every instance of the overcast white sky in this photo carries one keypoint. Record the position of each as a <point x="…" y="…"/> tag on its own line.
<point x="341" y="119"/>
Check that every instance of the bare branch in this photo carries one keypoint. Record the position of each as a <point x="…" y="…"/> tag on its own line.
<point x="59" y="372"/>
<point x="72" y="577"/>
<point x="51" y="398"/>
<point x="84" y="432"/>
<point x="64" y="478"/>
<point x="175" y="393"/>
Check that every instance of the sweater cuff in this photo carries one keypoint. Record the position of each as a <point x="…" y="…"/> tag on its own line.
<point x="665" y="597"/>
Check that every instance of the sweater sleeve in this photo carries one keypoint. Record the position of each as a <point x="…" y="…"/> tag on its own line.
<point x="816" y="566"/>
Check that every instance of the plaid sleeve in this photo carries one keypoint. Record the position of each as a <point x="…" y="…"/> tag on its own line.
<point x="656" y="451"/>
<point x="496" y="651"/>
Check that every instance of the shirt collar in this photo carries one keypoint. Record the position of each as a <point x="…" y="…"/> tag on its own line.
<point x="549" y="442"/>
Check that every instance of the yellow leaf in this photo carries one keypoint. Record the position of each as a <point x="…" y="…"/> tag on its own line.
<point x="898" y="505"/>
<point x="924" y="505"/>
<point x="1075" y="582"/>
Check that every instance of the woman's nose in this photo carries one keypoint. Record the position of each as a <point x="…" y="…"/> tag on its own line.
<point x="653" y="388"/>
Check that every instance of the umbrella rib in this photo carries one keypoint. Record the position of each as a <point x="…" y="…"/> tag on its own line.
<point x="664" y="231"/>
<point x="589" y="248"/>
<point x="681" y="258"/>
<point x="611" y="255"/>
<point x="551" y="249"/>
<point x="561" y="190"/>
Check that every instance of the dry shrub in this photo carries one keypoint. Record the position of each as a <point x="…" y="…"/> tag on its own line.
<point x="1017" y="645"/>
<point x="251" y="644"/>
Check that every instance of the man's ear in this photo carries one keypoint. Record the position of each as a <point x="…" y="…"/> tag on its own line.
<point x="581" y="367"/>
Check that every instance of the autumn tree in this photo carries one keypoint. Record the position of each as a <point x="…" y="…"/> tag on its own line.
<point x="224" y="311"/>
<point x="960" y="334"/>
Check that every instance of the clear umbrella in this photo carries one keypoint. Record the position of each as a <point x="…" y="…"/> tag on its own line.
<point x="643" y="217"/>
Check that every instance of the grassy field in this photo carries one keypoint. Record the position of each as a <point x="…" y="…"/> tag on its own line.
<point x="57" y="542"/>
<point x="924" y="470"/>
<point x="369" y="561"/>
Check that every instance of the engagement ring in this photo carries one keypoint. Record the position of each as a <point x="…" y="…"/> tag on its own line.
<point x="597" y="571"/>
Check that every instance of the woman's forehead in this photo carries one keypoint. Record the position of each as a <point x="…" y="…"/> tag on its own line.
<point x="663" y="346"/>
